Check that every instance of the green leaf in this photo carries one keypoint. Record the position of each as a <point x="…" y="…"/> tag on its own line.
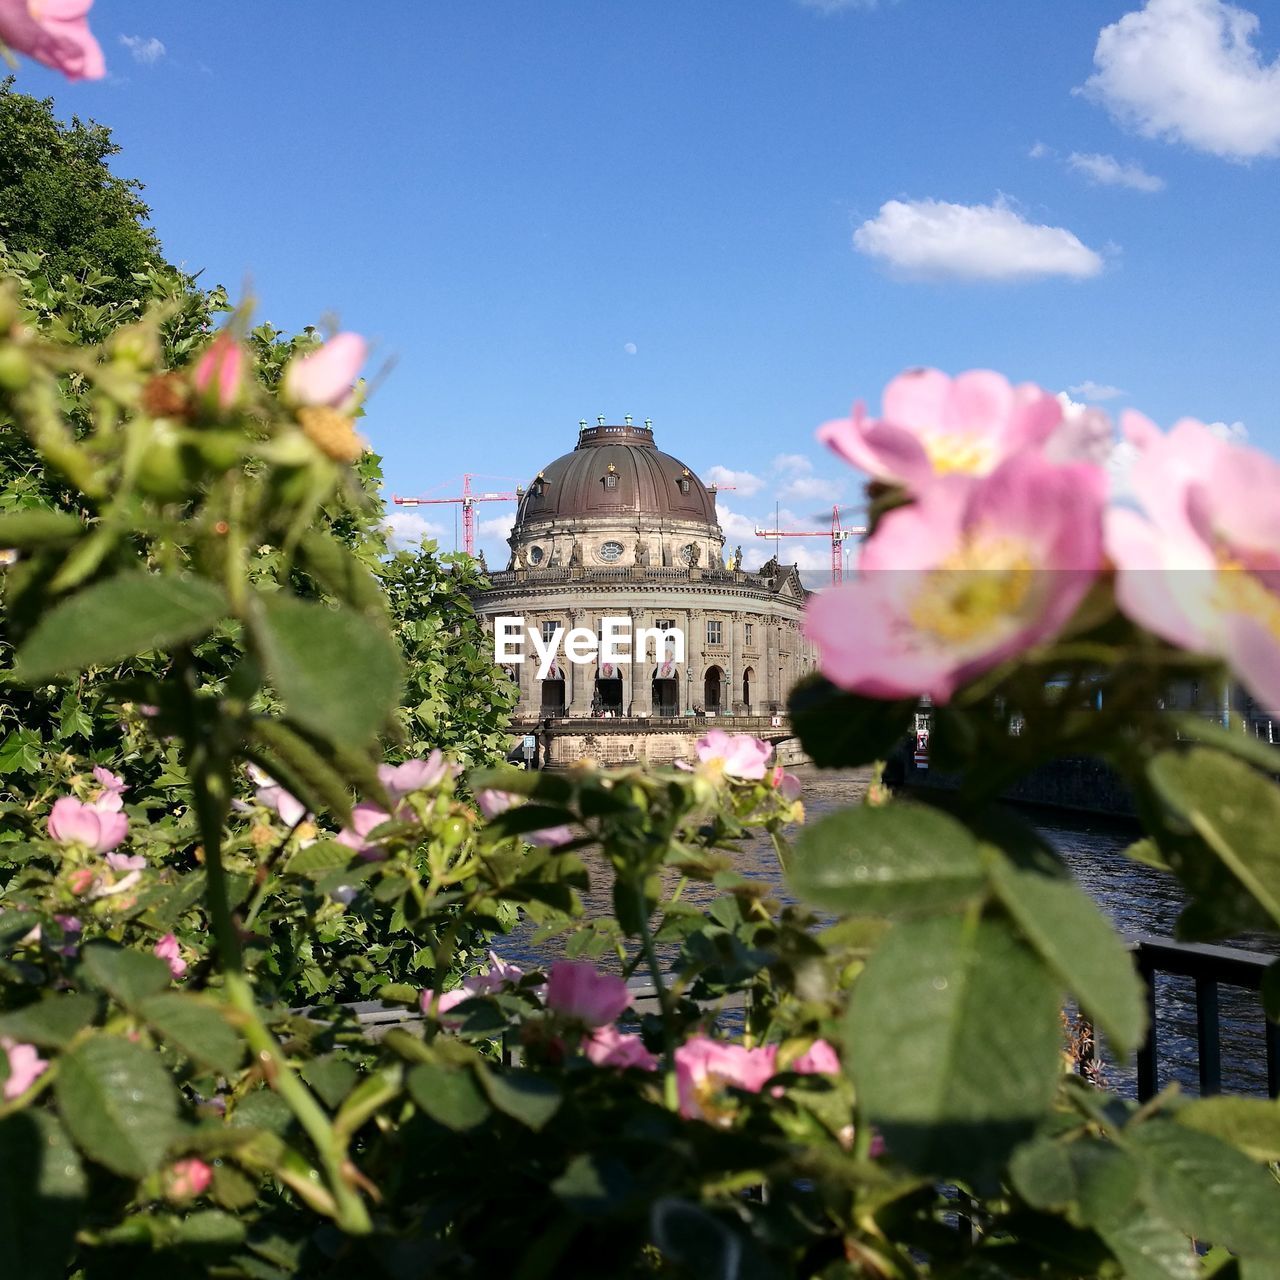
<point x="337" y="569"/>
<point x="953" y="1037"/>
<point x="332" y="1077"/>
<point x="21" y="752"/>
<point x="116" y="619"/>
<point x="38" y="527"/>
<point x="1233" y="809"/>
<point x="1244" y="746"/>
<point x="50" y="1023"/>
<point x="1207" y="1188"/>
<point x="319" y="858"/>
<point x="1076" y="941"/>
<point x="337" y="671"/>
<point x="130" y="976"/>
<point x="449" y="1095"/>
<point x="841" y="730"/>
<point x="528" y="1098"/>
<point x="195" y="1027"/>
<point x="1249" y="1124"/>
<point x="119" y="1104"/>
<point x="42" y="1193"/>
<point x="896" y="859"/>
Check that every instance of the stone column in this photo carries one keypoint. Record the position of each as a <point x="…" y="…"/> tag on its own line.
<point x="640" y="675"/>
<point x="733" y="694"/>
<point x="581" y="676"/>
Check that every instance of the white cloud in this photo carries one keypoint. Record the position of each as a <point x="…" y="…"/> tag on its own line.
<point x="145" y="49"/>
<point x="809" y="489"/>
<point x="792" y="464"/>
<point x="1231" y="432"/>
<point x="835" y="6"/>
<point x="1039" y="150"/>
<point x="1188" y="70"/>
<point x="496" y="526"/>
<point x="935" y="240"/>
<point x="1107" y="171"/>
<point x="630" y="348"/>
<point x="744" y="482"/>
<point x="407" y="528"/>
<point x="1090" y="390"/>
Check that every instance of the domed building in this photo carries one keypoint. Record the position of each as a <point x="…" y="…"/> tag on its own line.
<point x="618" y="535"/>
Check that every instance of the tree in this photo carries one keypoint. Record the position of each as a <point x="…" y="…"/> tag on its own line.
<point x="59" y="198"/>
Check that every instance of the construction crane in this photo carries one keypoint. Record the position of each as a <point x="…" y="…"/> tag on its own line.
<point x="837" y="533"/>
<point x="468" y="501"/>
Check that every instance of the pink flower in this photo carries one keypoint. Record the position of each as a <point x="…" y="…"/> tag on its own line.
<point x="975" y="571"/>
<point x="1201" y="567"/>
<point x="788" y="786"/>
<point x="221" y="372"/>
<point x="97" y="830"/>
<point x="25" y="1067"/>
<point x="126" y="862"/>
<point x="819" y="1059"/>
<point x="739" y="755"/>
<point x="271" y="795"/>
<point x="416" y="775"/>
<point x="705" y="1068"/>
<point x="111" y="797"/>
<point x="54" y="32"/>
<point x="608" y="1047"/>
<point x="187" y="1179"/>
<point x="499" y="974"/>
<point x="169" y="951"/>
<point x="492" y="803"/>
<point x="72" y="929"/>
<point x="365" y="817"/>
<point x="325" y="376"/>
<point x="933" y="425"/>
<point x="583" y="993"/>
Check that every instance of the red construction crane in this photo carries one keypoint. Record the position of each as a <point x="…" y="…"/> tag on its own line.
<point x="837" y="533"/>
<point x="468" y="500"/>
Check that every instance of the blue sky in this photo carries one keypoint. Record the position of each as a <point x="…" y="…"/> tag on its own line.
<point x="731" y="216"/>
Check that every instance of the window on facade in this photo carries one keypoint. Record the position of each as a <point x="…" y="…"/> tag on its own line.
<point x="714" y="628"/>
<point x="611" y="480"/>
<point x="610" y="551"/>
<point x="549" y="631"/>
<point x="665" y="624"/>
<point x="749" y="630"/>
<point x="684" y="485"/>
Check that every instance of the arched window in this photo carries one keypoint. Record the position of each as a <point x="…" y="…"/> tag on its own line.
<point x="748" y="678"/>
<point x="712" y="689"/>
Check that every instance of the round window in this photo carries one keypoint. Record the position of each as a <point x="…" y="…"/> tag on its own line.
<point x="535" y="555"/>
<point x="689" y="553"/>
<point x="610" y="551"/>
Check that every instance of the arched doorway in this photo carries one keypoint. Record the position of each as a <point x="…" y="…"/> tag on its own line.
<point x="553" y="693"/>
<point x="666" y="690"/>
<point x="608" y="699"/>
<point x="712" y="690"/>
<point x="748" y="677"/>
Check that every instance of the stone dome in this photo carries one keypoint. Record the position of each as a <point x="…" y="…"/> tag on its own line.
<point x="617" y="471"/>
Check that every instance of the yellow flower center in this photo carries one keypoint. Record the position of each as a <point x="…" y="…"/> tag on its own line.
<point x="331" y="432"/>
<point x="983" y="582"/>
<point x="955" y="451"/>
<point x="1236" y="590"/>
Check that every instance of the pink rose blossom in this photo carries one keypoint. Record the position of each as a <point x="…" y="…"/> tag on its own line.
<point x="171" y="953"/>
<point x="187" y="1179"/>
<point x="126" y="861"/>
<point x="583" y="993"/>
<point x="609" y="1047"/>
<point x="1201" y="565"/>
<point x="111" y="797"/>
<point x="492" y="803"/>
<point x="499" y="974"/>
<point x="705" y="1068"/>
<point x="271" y="795"/>
<point x="739" y="755"/>
<point x="819" y="1059"/>
<point x="25" y="1067"/>
<point x="975" y="571"/>
<point x="54" y="32"/>
<point x="221" y="372"/>
<point x="401" y="780"/>
<point x="933" y="425"/>
<point x="97" y="830"/>
<point x="787" y="785"/>
<point x="365" y="817"/>
<point x="325" y="376"/>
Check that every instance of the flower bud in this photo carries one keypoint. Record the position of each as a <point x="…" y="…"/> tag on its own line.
<point x="327" y="375"/>
<point x="15" y="368"/>
<point x="221" y="375"/>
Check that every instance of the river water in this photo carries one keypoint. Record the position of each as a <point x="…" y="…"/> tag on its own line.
<point x="1138" y="899"/>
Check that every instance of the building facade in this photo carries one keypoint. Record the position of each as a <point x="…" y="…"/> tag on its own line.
<point x="617" y="529"/>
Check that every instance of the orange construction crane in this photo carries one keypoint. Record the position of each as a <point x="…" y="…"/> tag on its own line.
<point x="837" y="533"/>
<point x="468" y="500"/>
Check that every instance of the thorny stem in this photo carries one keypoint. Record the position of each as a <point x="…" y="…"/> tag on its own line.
<point x="670" y="1091"/>
<point x="211" y="784"/>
